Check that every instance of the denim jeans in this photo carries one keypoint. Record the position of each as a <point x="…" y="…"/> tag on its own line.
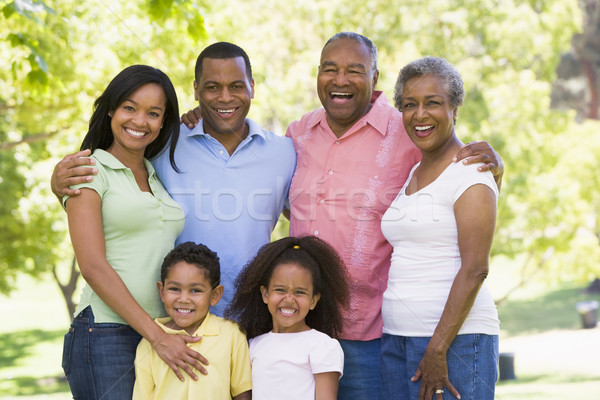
<point x="98" y="359"/>
<point x="472" y="366"/>
<point x="362" y="373"/>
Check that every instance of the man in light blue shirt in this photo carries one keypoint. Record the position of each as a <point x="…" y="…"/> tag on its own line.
<point x="233" y="177"/>
<point x="232" y="202"/>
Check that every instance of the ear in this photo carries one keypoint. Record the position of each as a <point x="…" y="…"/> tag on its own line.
<point x="314" y="301"/>
<point x="375" y="78"/>
<point x="265" y="294"/>
<point x="251" y="88"/>
<point x="160" y="287"/>
<point x="455" y="114"/>
<point x="196" y="94"/>
<point x="217" y="293"/>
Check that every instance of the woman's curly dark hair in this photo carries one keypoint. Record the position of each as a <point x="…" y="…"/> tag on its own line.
<point x="329" y="280"/>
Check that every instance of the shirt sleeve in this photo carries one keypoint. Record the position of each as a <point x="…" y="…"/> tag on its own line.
<point x="241" y="373"/>
<point x="466" y="176"/>
<point x="143" y="388"/>
<point x="327" y="356"/>
<point x="98" y="184"/>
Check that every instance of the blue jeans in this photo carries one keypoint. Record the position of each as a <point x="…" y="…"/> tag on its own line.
<point x="362" y="373"/>
<point x="98" y="359"/>
<point x="472" y="366"/>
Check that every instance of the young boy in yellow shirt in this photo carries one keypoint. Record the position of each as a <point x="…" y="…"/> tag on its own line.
<point x="190" y="277"/>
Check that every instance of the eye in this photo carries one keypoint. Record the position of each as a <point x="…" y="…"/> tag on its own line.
<point x="407" y="106"/>
<point x="279" y="290"/>
<point x="129" y="108"/>
<point x="196" y="290"/>
<point x="173" y="289"/>
<point x="433" y="103"/>
<point x="300" y="292"/>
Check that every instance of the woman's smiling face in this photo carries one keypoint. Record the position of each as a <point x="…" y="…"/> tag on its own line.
<point x="427" y="113"/>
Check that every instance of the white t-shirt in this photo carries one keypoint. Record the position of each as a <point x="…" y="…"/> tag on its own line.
<point x="422" y="229"/>
<point x="284" y="364"/>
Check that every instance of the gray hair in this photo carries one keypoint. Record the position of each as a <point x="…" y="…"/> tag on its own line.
<point x="357" y="37"/>
<point x="438" y="67"/>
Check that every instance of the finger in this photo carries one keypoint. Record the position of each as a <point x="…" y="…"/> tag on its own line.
<point x="439" y="394"/>
<point x="176" y="370"/>
<point x="186" y="368"/>
<point x="452" y="389"/>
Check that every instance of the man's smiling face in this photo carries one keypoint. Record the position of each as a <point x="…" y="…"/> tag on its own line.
<point x="345" y="83"/>
<point x="224" y="92"/>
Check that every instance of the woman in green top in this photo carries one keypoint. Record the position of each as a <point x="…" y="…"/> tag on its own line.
<point x="122" y="224"/>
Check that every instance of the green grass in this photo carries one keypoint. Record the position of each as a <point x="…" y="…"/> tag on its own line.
<point x="552" y="310"/>
<point x="31" y="342"/>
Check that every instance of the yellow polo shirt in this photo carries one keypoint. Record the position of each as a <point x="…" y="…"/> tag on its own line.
<point x="224" y="346"/>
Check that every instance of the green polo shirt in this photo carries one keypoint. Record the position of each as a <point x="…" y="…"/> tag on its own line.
<point x="140" y="228"/>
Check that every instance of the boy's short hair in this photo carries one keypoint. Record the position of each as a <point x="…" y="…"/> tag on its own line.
<point x="196" y="254"/>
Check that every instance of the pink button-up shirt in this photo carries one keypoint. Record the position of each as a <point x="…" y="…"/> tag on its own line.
<point x="339" y="192"/>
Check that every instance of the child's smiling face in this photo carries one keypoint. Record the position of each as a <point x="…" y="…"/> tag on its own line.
<point x="289" y="297"/>
<point x="187" y="295"/>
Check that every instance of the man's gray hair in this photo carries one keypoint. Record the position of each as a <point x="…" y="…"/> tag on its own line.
<point x="438" y="67"/>
<point x="357" y="37"/>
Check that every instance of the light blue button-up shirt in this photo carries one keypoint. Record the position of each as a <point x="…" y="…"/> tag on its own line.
<point x="231" y="203"/>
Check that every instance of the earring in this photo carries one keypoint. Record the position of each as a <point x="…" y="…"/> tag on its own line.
<point x="110" y="114"/>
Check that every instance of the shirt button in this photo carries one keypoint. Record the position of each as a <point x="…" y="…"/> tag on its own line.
<point x="221" y="152"/>
<point x="337" y="142"/>
<point x="330" y="172"/>
<point x="316" y="233"/>
<point x="376" y="177"/>
<point x="321" y="201"/>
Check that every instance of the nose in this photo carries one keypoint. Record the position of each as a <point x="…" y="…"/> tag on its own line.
<point x="225" y="95"/>
<point x="139" y="118"/>
<point x="420" y="111"/>
<point x="340" y="78"/>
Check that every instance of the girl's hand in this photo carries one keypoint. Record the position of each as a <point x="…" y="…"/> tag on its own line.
<point x="174" y="351"/>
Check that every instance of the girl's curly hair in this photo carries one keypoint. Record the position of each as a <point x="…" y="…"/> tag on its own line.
<point x="329" y="280"/>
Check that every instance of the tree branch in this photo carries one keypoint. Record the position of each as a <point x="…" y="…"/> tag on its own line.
<point x="29" y="139"/>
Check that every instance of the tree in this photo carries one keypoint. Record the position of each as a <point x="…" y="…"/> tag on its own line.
<point x="57" y="65"/>
<point x="57" y="55"/>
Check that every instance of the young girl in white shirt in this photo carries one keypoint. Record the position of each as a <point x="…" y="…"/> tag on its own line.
<point x="288" y="300"/>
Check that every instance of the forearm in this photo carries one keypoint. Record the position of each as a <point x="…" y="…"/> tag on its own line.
<point x="462" y="295"/>
<point x="111" y="289"/>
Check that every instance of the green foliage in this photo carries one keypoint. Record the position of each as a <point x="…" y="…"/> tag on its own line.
<point x="56" y="56"/>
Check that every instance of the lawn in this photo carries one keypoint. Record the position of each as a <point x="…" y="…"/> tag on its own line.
<point x="554" y="357"/>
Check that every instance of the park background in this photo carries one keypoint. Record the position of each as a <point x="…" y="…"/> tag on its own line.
<point x="532" y="76"/>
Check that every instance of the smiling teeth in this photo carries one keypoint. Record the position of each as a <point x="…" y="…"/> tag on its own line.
<point x="341" y="94"/>
<point x="225" y="111"/>
<point x="135" y="133"/>
<point x="287" y="311"/>
<point x="184" y="310"/>
<point x="423" y="128"/>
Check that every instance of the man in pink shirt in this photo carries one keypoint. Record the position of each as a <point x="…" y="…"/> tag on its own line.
<point x="353" y="156"/>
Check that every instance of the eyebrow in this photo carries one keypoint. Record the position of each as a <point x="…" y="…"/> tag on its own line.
<point x="219" y="83"/>
<point x="353" y="65"/>
<point x="137" y="104"/>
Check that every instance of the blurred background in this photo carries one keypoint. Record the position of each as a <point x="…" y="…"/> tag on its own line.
<point x="531" y="70"/>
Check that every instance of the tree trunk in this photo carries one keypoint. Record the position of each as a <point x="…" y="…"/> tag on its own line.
<point x="68" y="289"/>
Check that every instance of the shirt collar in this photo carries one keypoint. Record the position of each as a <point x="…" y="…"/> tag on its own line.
<point x="110" y="161"/>
<point x="198" y="130"/>
<point x="209" y="327"/>
<point x="377" y="116"/>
